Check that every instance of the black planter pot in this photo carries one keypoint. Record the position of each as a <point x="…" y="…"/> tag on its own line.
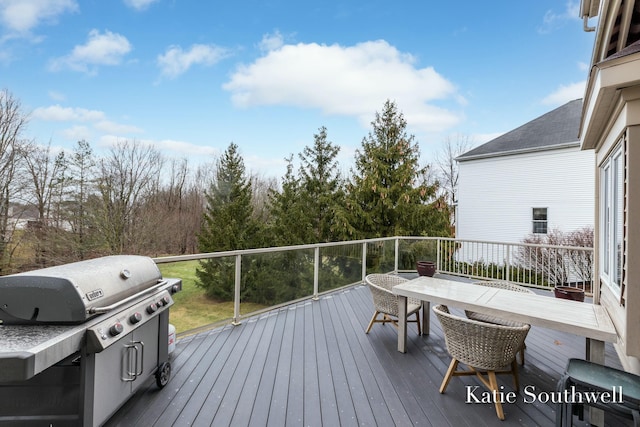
<point x="569" y="292"/>
<point x="426" y="268"/>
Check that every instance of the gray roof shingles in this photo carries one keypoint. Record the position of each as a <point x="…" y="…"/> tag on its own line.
<point x="554" y="129"/>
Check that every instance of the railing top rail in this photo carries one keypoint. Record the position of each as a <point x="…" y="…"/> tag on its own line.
<point x="535" y="245"/>
<point x="222" y="254"/>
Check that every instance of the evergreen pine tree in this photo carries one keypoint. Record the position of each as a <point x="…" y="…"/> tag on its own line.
<point x="322" y="190"/>
<point x="390" y="194"/>
<point x="228" y="224"/>
<point x="289" y="224"/>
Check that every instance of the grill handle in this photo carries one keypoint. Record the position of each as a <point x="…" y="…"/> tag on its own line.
<point x="108" y="308"/>
<point x="133" y="375"/>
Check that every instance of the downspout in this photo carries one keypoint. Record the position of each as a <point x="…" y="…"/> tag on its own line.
<point x="585" y="24"/>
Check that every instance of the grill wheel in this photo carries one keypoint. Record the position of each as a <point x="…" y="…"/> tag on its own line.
<point x="163" y="374"/>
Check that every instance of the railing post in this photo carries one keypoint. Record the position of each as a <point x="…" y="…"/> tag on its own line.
<point x="395" y="265"/>
<point x="508" y="266"/>
<point x="438" y="257"/>
<point x="236" y="296"/>
<point x="316" y="272"/>
<point x="364" y="260"/>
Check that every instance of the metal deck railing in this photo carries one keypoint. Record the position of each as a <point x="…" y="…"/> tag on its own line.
<point x="279" y="276"/>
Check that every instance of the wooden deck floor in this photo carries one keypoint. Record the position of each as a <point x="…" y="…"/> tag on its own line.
<point x="311" y="364"/>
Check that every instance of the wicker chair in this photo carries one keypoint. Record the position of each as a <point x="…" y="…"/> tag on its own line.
<point x="386" y="303"/>
<point x="483" y="347"/>
<point x="497" y="320"/>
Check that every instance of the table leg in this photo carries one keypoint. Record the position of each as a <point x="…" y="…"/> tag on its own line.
<point x="402" y="324"/>
<point x="426" y="319"/>
<point x="595" y="353"/>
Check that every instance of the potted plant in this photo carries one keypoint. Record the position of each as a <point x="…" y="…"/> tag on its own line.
<point x="569" y="292"/>
<point x="426" y="268"/>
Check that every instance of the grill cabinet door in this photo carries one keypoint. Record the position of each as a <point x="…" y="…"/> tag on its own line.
<point x="123" y="367"/>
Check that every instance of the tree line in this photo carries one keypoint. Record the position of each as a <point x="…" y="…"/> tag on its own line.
<point x="58" y="207"/>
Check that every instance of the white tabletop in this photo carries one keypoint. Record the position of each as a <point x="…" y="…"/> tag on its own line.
<point x="580" y="318"/>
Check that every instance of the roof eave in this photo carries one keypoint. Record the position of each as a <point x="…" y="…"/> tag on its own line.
<point x="603" y="89"/>
<point x="516" y="152"/>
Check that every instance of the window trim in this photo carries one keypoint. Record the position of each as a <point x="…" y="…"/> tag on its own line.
<point x="539" y="222"/>
<point x="612" y="194"/>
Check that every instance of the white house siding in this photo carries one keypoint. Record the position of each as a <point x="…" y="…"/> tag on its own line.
<point x="496" y="195"/>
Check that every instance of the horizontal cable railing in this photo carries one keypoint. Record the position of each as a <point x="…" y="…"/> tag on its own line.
<point x="256" y="280"/>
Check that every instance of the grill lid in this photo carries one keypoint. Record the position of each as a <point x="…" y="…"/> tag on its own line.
<point x="67" y="293"/>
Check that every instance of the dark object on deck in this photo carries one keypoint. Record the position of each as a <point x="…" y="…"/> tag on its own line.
<point x="426" y="268"/>
<point x="569" y="292"/>
<point x="620" y="391"/>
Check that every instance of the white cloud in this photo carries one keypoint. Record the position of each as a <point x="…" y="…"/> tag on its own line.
<point x="564" y="94"/>
<point x="139" y="4"/>
<point x="352" y="81"/>
<point x="176" y="61"/>
<point x="23" y="15"/>
<point x="271" y="41"/>
<point x="112" y="127"/>
<point x="553" y="20"/>
<point x="77" y="133"/>
<point x="83" y="121"/>
<point x="183" y="148"/>
<point x="58" y="113"/>
<point x="168" y="146"/>
<point x="100" y="49"/>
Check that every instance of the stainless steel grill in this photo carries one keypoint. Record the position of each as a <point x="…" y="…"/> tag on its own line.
<point x="76" y="341"/>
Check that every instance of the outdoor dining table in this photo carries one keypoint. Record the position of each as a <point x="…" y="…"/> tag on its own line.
<point x="584" y="319"/>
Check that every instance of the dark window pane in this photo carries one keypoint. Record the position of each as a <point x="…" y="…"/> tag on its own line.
<point x="539" y="214"/>
<point x="540" y="227"/>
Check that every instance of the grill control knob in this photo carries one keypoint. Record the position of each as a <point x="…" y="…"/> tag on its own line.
<point x="116" y="329"/>
<point x="135" y="318"/>
<point x="152" y="308"/>
<point x="165" y="300"/>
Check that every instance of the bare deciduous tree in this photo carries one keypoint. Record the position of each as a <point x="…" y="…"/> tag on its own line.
<point x="553" y="256"/>
<point x="125" y="178"/>
<point x="12" y="123"/>
<point x="176" y="208"/>
<point x="453" y="147"/>
<point x="45" y="174"/>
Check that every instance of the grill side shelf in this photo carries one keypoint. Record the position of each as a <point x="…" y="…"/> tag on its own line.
<point x="17" y="366"/>
<point x="25" y="351"/>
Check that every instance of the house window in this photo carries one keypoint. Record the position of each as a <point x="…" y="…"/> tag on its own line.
<point x="611" y="218"/>
<point x="540" y="220"/>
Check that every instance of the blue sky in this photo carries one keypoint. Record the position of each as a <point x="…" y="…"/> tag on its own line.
<point x="191" y="76"/>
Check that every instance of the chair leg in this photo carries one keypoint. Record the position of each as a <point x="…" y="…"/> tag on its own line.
<point x="373" y="319"/>
<point x="447" y="377"/>
<point x="417" y="314"/>
<point x="493" y="382"/>
<point x="514" y="371"/>
<point x="522" y="353"/>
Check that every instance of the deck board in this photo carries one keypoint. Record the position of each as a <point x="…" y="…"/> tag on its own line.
<point x="312" y="364"/>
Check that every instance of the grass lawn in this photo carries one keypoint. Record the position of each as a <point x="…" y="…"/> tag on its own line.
<point x="192" y="307"/>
